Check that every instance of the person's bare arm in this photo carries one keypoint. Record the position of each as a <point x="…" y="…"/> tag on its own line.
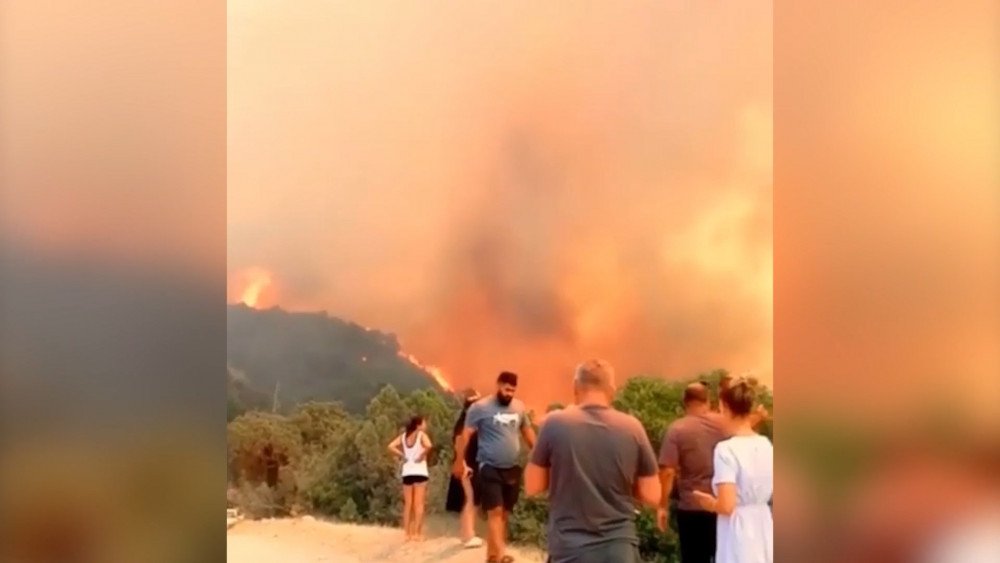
<point x="394" y="447"/>
<point x="461" y="443"/>
<point x="667" y="475"/>
<point x="725" y="466"/>
<point x="723" y="504"/>
<point x="536" y="480"/>
<point x="428" y="446"/>
<point x="528" y="433"/>
<point x="647" y="490"/>
<point x="668" y="462"/>
<point x="536" y="475"/>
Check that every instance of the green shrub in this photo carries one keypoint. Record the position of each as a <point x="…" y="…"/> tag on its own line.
<point x="349" y="511"/>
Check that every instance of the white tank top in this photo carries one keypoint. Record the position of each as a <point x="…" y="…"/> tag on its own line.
<point x="411" y="467"/>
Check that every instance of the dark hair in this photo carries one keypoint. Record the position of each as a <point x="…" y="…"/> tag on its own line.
<point x="413" y="424"/>
<point x="740" y="397"/>
<point x="508" y="378"/>
<point x="460" y="423"/>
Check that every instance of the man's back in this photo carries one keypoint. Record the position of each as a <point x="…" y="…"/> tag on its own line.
<point x="688" y="445"/>
<point x="594" y="455"/>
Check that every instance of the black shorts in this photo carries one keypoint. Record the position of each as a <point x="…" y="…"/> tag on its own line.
<point x="499" y="487"/>
<point x="414" y="479"/>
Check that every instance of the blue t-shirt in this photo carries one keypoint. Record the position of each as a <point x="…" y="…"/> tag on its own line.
<point x="499" y="430"/>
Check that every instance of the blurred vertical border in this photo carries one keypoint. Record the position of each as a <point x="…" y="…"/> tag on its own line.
<point x="887" y="293"/>
<point x="112" y="280"/>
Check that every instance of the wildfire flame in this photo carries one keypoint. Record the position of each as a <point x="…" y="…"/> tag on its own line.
<point x="251" y="285"/>
<point x="435" y="372"/>
<point x="251" y="295"/>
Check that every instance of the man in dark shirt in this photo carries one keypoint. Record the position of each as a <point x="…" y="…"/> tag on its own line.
<point x="686" y="455"/>
<point x="595" y="462"/>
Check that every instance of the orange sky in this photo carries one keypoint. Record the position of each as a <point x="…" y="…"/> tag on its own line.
<point x="512" y="186"/>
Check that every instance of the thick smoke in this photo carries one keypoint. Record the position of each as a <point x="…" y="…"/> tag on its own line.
<point x="506" y="189"/>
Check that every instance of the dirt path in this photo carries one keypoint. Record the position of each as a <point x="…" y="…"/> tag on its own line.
<point x="307" y="540"/>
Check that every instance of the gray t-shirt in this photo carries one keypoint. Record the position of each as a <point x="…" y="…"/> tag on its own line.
<point x="499" y="431"/>
<point x="595" y="455"/>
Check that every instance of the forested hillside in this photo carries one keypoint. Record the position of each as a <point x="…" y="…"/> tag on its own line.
<point x="299" y="357"/>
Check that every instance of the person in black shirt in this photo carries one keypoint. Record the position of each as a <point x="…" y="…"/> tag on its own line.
<point x="462" y="493"/>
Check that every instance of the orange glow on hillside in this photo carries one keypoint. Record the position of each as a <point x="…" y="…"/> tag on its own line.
<point x="254" y="287"/>
<point x="434" y="372"/>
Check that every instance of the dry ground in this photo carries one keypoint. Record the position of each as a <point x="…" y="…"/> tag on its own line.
<point x="307" y="539"/>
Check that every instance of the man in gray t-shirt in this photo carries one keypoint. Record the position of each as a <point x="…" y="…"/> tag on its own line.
<point x="499" y="422"/>
<point x="595" y="462"/>
<point x="499" y="429"/>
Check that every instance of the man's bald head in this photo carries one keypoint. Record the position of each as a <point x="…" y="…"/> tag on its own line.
<point x="696" y="394"/>
<point x="594" y="375"/>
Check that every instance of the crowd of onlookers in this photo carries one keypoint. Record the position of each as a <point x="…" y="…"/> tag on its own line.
<point x="596" y="463"/>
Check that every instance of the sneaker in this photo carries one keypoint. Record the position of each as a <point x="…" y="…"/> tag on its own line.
<point x="473" y="543"/>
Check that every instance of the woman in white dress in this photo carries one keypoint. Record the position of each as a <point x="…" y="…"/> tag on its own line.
<point x="742" y="483"/>
<point x="412" y="447"/>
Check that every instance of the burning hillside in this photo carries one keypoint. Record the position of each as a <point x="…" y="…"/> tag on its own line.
<point x="253" y="287"/>
<point x="435" y="372"/>
<point x="300" y="357"/>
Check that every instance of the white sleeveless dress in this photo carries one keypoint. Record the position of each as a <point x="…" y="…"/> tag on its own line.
<point x="412" y="467"/>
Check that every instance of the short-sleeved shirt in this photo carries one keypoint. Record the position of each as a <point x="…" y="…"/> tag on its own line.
<point x="688" y="446"/>
<point x="595" y="455"/>
<point x="499" y="430"/>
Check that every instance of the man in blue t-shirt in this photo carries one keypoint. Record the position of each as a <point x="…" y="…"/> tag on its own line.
<point x="499" y="423"/>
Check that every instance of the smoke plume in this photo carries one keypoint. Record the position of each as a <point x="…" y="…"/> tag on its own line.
<point x="512" y="187"/>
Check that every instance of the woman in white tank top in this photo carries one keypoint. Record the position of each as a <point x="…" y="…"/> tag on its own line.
<point x="412" y="447"/>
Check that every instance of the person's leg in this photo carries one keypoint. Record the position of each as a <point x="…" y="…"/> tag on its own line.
<point x="407" y="509"/>
<point x="696" y="531"/>
<point x="503" y="532"/>
<point x="467" y="518"/>
<point x="706" y="535"/>
<point x="419" y="496"/>
<point x="687" y="536"/>
<point x="491" y="500"/>
<point x="495" y="521"/>
<point x="511" y="488"/>
<point x="709" y="529"/>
